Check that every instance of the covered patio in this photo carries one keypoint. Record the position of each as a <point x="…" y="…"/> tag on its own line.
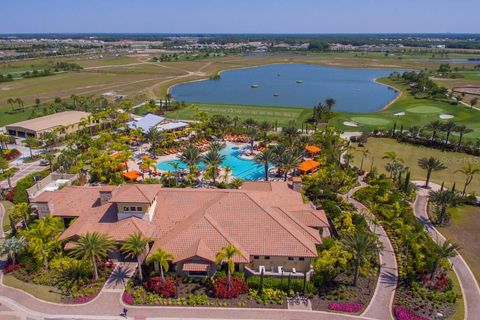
<point x="308" y="166"/>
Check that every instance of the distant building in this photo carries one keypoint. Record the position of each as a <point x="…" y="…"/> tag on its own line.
<point x="161" y="123"/>
<point x="68" y="120"/>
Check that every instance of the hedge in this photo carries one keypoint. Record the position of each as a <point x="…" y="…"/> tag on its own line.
<point x="281" y="284"/>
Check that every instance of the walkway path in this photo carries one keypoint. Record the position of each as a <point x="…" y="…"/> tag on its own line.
<point x="381" y="305"/>
<point x="24" y="169"/>
<point x="470" y="288"/>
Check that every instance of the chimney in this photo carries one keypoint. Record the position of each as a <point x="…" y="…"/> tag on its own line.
<point x="105" y="196"/>
<point x="297" y="184"/>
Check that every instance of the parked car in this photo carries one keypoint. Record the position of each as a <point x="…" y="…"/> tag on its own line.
<point x="44" y="163"/>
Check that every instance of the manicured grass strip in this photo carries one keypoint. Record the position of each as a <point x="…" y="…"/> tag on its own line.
<point x="374" y="121"/>
<point x="38" y="291"/>
<point x="260" y="113"/>
<point x="411" y="153"/>
<point x="6" y="220"/>
<point x="459" y="304"/>
<point x="464" y="231"/>
<point x="425" y="109"/>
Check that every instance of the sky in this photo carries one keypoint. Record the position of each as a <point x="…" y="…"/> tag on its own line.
<point x="239" y="16"/>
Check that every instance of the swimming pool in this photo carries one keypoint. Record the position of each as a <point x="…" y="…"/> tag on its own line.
<point x="241" y="168"/>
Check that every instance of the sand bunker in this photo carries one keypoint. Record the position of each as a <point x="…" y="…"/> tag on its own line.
<point x="446" y="116"/>
<point x="350" y="124"/>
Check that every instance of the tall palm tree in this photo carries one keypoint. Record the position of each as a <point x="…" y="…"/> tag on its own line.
<point x="161" y="257"/>
<point x="365" y="153"/>
<point x="448" y="128"/>
<point x="430" y="164"/>
<point x="213" y="159"/>
<point x="226" y="255"/>
<point x="12" y="247"/>
<point x="31" y="142"/>
<point x="249" y="123"/>
<point x="93" y="246"/>
<point x="154" y="136"/>
<point x="469" y="172"/>
<point x="252" y="133"/>
<point x="442" y="198"/>
<point x="149" y="164"/>
<point x="392" y="156"/>
<point x="265" y="158"/>
<point x="134" y="246"/>
<point x="434" y="126"/>
<point x="443" y="251"/>
<point x="462" y="130"/>
<point x="362" y="246"/>
<point x="330" y="103"/>
<point x="192" y="156"/>
<point x="287" y="162"/>
<point x="290" y="133"/>
<point x="264" y="127"/>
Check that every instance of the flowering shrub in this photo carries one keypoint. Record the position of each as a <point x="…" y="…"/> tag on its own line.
<point x="11" y="154"/>
<point x="438" y="282"/>
<point x="402" y="313"/>
<point x="345" y="307"/>
<point x="166" y="289"/>
<point x="221" y="290"/>
<point x="127" y="298"/>
<point x="85" y="298"/>
<point x="12" y="267"/>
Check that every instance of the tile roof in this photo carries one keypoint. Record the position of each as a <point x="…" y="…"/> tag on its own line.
<point x="261" y="219"/>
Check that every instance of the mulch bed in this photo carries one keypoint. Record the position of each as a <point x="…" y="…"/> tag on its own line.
<point x="425" y="308"/>
<point x="343" y="292"/>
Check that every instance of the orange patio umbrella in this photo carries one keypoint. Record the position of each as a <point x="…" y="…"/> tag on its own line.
<point x="132" y="175"/>
<point x="313" y="149"/>
<point x="308" y="165"/>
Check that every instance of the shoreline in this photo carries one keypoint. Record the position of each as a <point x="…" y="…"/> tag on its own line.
<point x="399" y="94"/>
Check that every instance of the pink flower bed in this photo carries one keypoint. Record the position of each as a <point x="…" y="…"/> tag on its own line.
<point x="402" y="313"/>
<point x="345" y="307"/>
<point x="85" y="298"/>
<point x="127" y="298"/>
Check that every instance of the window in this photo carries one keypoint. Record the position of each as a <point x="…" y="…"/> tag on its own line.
<point x="133" y="208"/>
<point x="290" y="258"/>
<point x="301" y="259"/>
<point x="125" y="208"/>
<point x="267" y="257"/>
<point x="256" y="257"/>
<point x="139" y="209"/>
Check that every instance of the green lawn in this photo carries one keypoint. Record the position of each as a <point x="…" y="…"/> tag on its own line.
<point x="464" y="231"/>
<point x="260" y="113"/>
<point x="411" y="153"/>
<point x="6" y="221"/>
<point x="418" y="112"/>
<point x="42" y="292"/>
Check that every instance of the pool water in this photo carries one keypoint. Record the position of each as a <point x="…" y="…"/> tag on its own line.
<point x="241" y="168"/>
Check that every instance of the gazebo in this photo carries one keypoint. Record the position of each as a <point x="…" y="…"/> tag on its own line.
<point x="308" y="166"/>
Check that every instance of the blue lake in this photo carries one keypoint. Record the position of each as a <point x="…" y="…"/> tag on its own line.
<point x="295" y="85"/>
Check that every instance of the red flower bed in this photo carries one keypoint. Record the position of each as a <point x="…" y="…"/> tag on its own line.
<point x="11" y="154"/>
<point x="439" y="282"/>
<point x="12" y="267"/>
<point x="11" y="194"/>
<point x="220" y="288"/>
<point x="127" y="298"/>
<point x="402" y="313"/>
<point x="166" y="289"/>
<point x="345" y="307"/>
<point x="85" y="298"/>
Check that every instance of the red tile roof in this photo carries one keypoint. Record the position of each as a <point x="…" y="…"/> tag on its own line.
<point x="261" y="219"/>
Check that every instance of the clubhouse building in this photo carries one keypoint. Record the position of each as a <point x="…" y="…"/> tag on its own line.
<point x="275" y="231"/>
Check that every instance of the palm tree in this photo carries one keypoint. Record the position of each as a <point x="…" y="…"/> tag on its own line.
<point x="443" y="251"/>
<point x="227" y="170"/>
<point x="362" y="246"/>
<point x="249" y="123"/>
<point x="448" y="128"/>
<point x="252" y="135"/>
<point x="264" y="127"/>
<point x="364" y="152"/>
<point x="213" y="159"/>
<point x="392" y="156"/>
<point x="430" y="164"/>
<point x="134" y="246"/>
<point x="287" y="161"/>
<point x="442" y="198"/>
<point x="330" y="103"/>
<point x="462" y="130"/>
<point x="434" y="126"/>
<point x="414" y="132"/>
<point x="265" y="158"/>
<point x="468" y="171"/>
<point x="154" y="136"/>
<point x="290" y="133"/>
<point x="12" y="247"/>
<point x="226" y="255"/>
<point x="149" y="164"/>
<point x="93" y="246"/>
<point x="31" y="142"/>
<point x="192" y="156"/>
<point x="161" y="257"/>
